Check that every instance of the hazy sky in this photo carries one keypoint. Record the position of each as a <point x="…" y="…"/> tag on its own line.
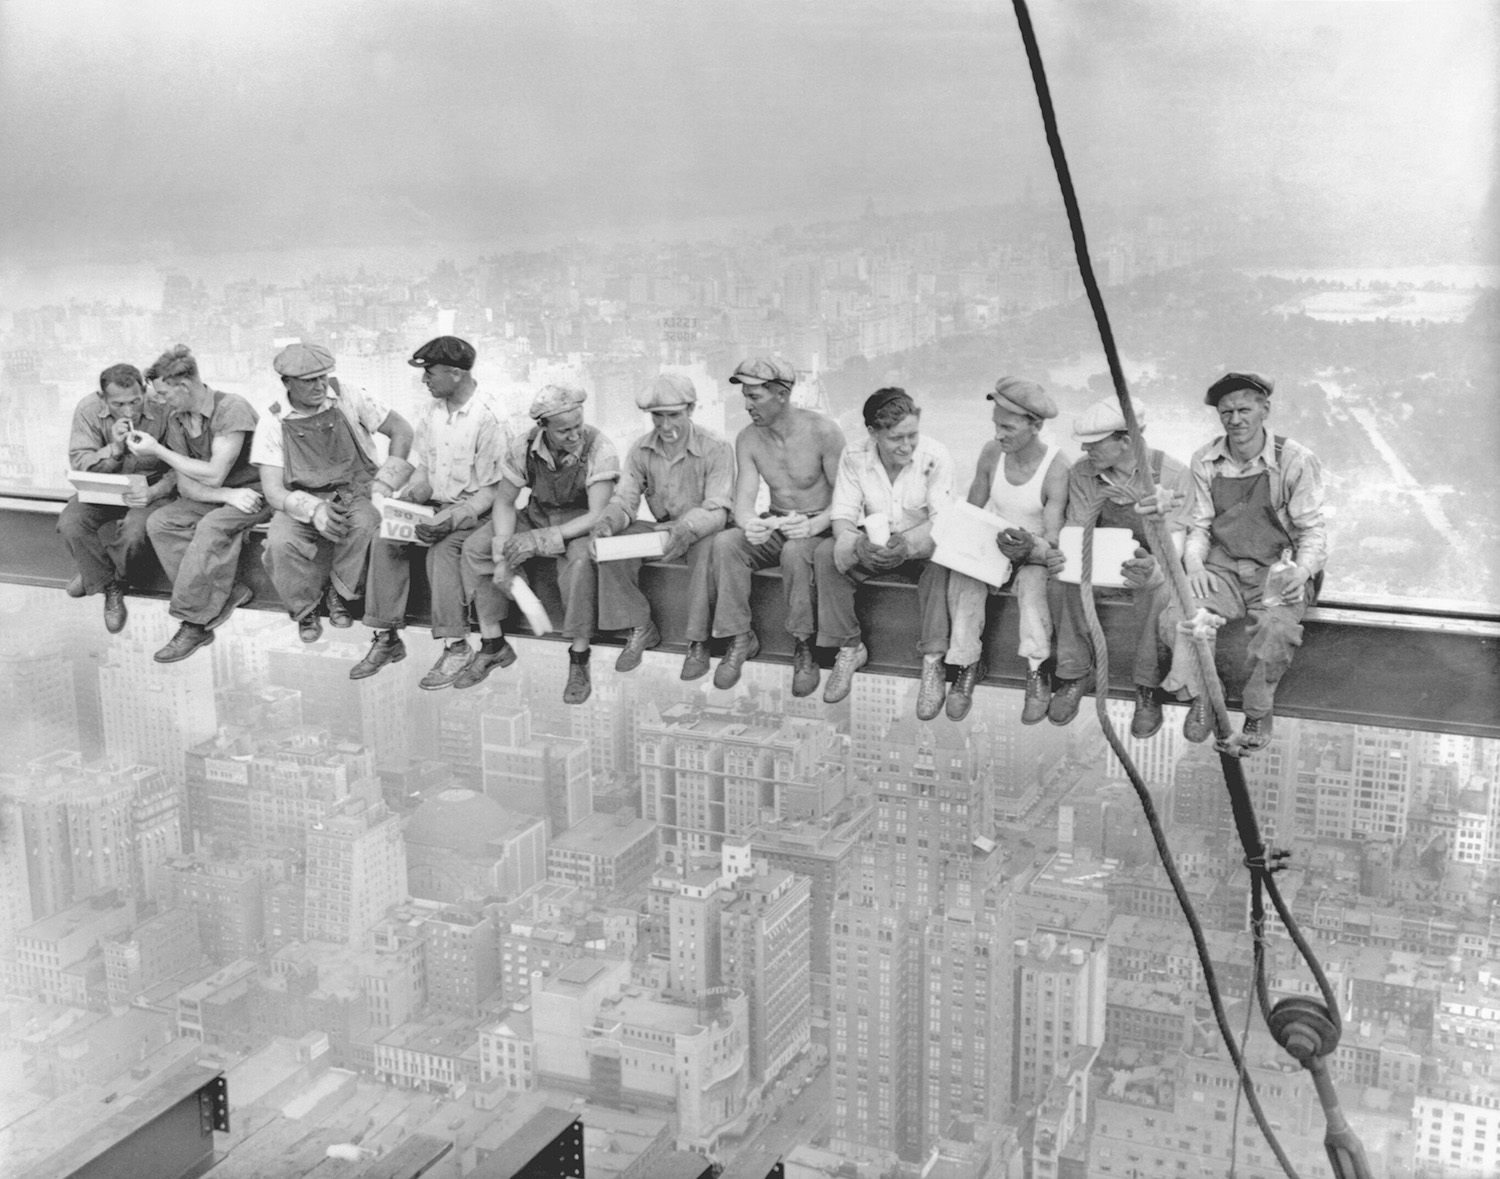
<point x="132" y="126"/>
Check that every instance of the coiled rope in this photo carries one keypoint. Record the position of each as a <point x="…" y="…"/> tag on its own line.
<point x="1310" y="1031"/>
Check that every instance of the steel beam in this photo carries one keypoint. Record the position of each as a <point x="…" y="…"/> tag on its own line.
<point x="1379" y="662"/>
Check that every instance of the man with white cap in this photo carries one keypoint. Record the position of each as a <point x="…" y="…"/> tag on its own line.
<point x="1256" y="510"/>
<point x="456" y="455"/>
<point x="685" y="473"/>
<point x="1103" y="489"/>
<point x="571" y="470"/>
<point x="319" y="466"/>
<point x="796" y="451"/>
<point x="1024" y="480"/>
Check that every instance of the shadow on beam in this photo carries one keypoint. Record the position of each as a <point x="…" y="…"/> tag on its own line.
<point x="1360" y="663"/>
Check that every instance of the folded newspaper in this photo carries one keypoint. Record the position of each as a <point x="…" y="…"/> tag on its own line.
<point x="964" y="537"/>
<point x="399" y="519"/>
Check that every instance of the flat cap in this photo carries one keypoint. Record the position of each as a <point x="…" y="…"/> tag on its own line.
<point x="556" y="399"/>
<point x="1234" y="382"/>
<point x="1022" y="396"/>
<point x="668" y="391"/>
<point x="448" y="350"/>
<point x="1104" y="418"/>
<point x="762" y="371"/>
<point x="303" y="360"/>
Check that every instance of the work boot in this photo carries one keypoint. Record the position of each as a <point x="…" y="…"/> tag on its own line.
<point x="934" y="688"/>
<point x="805" y="673"/>
<point x="74" y="588"/>
<point x="483" y="663"/>
<point x="310" y="626"/>
<point x="841" y="678"/>
<point x="1038" y="697"/>
<point x="1147" y="718"/>
<point x="240" y="595"/>
<point x="580" y="687"/>
<point x="115" y="613"/>
<point x="741" y="648"/>
<point x="189" y="637"/>
<point x="1067" y="696"/>
<point x="1198" y="725"/>
<point x="1257" y="732"/>
<point x="642" y="639"/>
<point x="387" y="647"/>
<point x="338" y="610"/>
<point x="695" y="662"/>
<point x="454" y="659"/>
<point x="961" y="695"/>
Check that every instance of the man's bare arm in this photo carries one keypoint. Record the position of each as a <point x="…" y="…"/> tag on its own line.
<point x="746" y="478"/>
<point x="984" y="475"/>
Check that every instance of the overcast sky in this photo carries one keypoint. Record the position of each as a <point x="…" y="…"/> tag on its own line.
<point x="132" y="126"/>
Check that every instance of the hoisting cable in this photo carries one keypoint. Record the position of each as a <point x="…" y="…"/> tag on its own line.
<point x="1307" y="1029"/>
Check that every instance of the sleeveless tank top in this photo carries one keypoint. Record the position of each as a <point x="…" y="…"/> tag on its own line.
<point x="1022" y="505"/>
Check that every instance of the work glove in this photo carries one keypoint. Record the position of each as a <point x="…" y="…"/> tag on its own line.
<point x="1017" y="545"/>
<point x="603" y="527"/>
<point x="519" y="549"/>
<point x="330" y="521"/>
<point x="680" y="538"/>
<point x="1140" y="571"/>
<point x="1054" y="560"/>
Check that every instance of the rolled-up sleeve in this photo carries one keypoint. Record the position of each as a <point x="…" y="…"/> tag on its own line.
<point x="1084" y="497"/>
<point x="604" y="462"/>
<point x="848" y="492"/>
<point x="625" y="504"/>
<point x="1303" y="494"/>
<point x="86" y="437"/>
<point x="718" y="491"/>
<point x="491" y="446"/>
<point x="1198" y="517"/>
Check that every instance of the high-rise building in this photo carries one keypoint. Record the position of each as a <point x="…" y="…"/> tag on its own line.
<point x="1060" y="1004"/>
<point x="38" y="703"/>
<point x="356" y="870"/>
<point x="15" y="882"/>
<point x="154" y="951"/>
<point x="378" y="713"/>
<point x="614" y="852"/>
<point x="537" y="774"/>
<point x="228" y="899"/>
<point x="462" y="960"/>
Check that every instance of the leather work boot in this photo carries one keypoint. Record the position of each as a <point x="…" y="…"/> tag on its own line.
<point x="961" y="695"/>
<point x="1257" y="732"/>
<point x="1147" y="718"/>
<point x="579" y="686"/>
<point x="642" y="639"/>
<point x="1066" y="697"/>
<point x="1198" y="725"/>
<point x="338" y="609"/>
<point x="387" y="647"/>
<point x="695" y="662"/>
<point x="1038" y="697"/>
<point x="454" y="659"/>
<point x="805" y="673"/>
<point x="934" y="687"/>
<point x="189" y="637"/>
<point x="484" y="662"/>
<point x="115" y="613"/>
<point x="240" y="595"/>
<point x="841" y="678"/>
<point x="310" y="627"/>
<point x="741" y="648"/>
<point x="74" y="588"/>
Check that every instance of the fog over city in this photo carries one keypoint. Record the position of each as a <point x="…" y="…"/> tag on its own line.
<point x="730" y="925"/>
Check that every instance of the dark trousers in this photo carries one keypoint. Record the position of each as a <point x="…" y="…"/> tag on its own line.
<point x="105" y="541"/>
<point x="198" y="546"/>
<point x="622" y="606"/>
<point x="301" y="560"/>
<point x="735" y="559"/>
<point x="839" y="627"/>
<point x="1075" y="653"/>
<point x="576" y="582"/>
<point x="388" y="584"/>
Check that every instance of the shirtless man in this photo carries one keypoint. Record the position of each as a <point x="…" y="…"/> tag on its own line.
<point x="796" y="451"/>
<point x="1025" y="480"/>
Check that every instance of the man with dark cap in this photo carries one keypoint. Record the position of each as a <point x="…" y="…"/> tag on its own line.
<point x="1103" y="490"/>
<point x="456" y="455"/>
<point x="318" y="468"/>
<point x="570" y="469"/>
<point x="105" y="540"/>
<point x="1024" y="480"/>
<point x="1257" y="502"/>
<point x="902" y="478"/>
<point x="796" y="451"/>
<point x="199" y="535"/>
<point x="685" y="473"/>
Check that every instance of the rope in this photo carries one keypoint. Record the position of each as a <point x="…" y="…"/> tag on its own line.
<point x="1262" y="880"/>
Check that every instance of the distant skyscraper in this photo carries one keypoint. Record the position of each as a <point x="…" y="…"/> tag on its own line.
<point x="540" y="775"/>
<point x="356" y="870"/>
<point x="1060" y="1004"/>
<point x="376" y="712"/>
<point x="38" y="704"/>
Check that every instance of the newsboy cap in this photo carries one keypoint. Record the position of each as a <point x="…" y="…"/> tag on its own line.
<point x="556" y="399"/>
<point x="1234" y="382"/>
<point x="448" y="350"/>
<point x="1104" y="418"/>
<point x="1022" y="396"/>
<point x="762" y="371"/>
<point x="668" y="391"/>
<point x="303" y="360"/>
